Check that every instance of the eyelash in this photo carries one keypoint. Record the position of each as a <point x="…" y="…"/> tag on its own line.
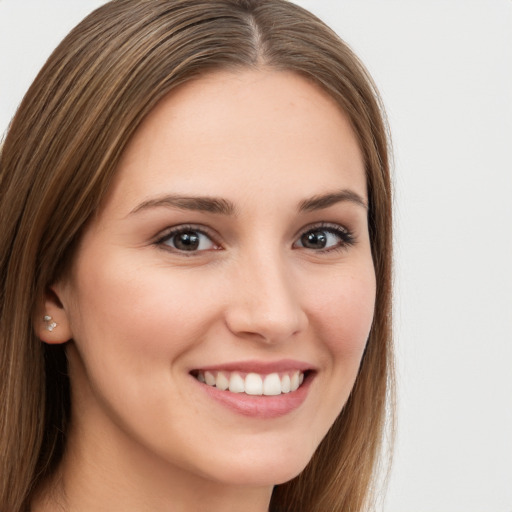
<point x="345" y="236"/>
<point x="183" y="229"/>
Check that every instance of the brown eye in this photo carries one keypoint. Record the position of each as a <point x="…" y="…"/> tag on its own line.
<point x="325" y="238"/>
<point x="314" y="240"/>
<point x="188" y="240"/>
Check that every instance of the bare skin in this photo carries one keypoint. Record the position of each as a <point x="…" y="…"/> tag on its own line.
<point x="235" y="233"/>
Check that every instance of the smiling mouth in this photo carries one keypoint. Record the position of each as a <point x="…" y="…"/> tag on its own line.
<point x="254" y="384"/>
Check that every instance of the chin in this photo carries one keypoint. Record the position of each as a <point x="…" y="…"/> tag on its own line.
<point x="260" y="471"/>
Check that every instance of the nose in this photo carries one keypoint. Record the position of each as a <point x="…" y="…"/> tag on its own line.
<point x="265" y="304"/>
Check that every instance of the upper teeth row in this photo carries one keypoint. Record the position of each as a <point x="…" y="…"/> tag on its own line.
<point x="253" y="383"/>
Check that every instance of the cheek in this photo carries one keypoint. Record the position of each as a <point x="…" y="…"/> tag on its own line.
<point x="137" y="315"/>
<point x="133" y="328"/>
<point x="341" y="315"/>
<point x="343" y="312"/>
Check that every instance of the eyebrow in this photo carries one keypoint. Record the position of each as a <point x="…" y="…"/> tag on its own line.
<point x="320" y="202"/>
<point x="222" y="206"/>
<point x="201" y="203"/>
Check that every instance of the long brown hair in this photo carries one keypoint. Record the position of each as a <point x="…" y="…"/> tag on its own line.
<point x="59" y="157"/>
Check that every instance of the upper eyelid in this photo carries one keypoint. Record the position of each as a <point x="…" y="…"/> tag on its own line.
<point x="169" y="232"/>
<point x="324" y="225"/>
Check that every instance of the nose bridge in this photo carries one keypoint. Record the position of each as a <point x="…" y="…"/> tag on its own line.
<point x="265" y="301"/>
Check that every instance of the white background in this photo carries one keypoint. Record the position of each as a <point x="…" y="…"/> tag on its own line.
<point x="444" y="68"/>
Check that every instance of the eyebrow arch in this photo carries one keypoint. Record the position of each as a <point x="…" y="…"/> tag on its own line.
<point x="325" y="200"/>
<point x="199" y="203"/>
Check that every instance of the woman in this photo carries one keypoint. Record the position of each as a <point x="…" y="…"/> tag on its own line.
<point x="195" y="266"/>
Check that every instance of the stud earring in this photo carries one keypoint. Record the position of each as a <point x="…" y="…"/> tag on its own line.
<point x="50" y="324"/>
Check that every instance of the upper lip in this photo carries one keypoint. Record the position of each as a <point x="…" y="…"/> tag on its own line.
<point x="261" y="367"/>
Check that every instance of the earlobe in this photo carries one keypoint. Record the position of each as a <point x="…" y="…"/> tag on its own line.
<point x="51" y="323"/>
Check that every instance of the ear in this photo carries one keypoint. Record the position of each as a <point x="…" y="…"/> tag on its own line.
<point x="51" y="323"/>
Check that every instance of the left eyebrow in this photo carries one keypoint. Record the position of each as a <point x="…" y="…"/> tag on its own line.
<point x="202" y="203"/>
<point x="320" y="202"/>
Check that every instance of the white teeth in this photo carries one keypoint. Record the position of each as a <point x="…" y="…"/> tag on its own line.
<point x="222" y="381"/>
<point x="209" y="378"/>
<point x="285" y="384"/>
<point x="294" y="381"/>
<point x="236" y="383"/>
<point x="272" y="385"/>
<point x="253" y="384"/>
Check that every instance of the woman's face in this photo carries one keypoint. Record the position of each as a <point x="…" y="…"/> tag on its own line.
<point x="232" y="248"/>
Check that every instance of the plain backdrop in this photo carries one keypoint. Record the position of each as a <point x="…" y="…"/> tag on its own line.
<point x="444" y="68"/>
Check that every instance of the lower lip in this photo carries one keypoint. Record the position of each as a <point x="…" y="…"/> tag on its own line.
<point x="260" y="406"/>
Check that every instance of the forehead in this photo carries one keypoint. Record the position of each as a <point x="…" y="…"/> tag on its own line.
<point x="257" y="130"/>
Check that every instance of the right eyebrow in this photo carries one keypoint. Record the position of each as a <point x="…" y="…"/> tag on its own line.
<point x="194" y="203"/>
<point x="321" y="202"/>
